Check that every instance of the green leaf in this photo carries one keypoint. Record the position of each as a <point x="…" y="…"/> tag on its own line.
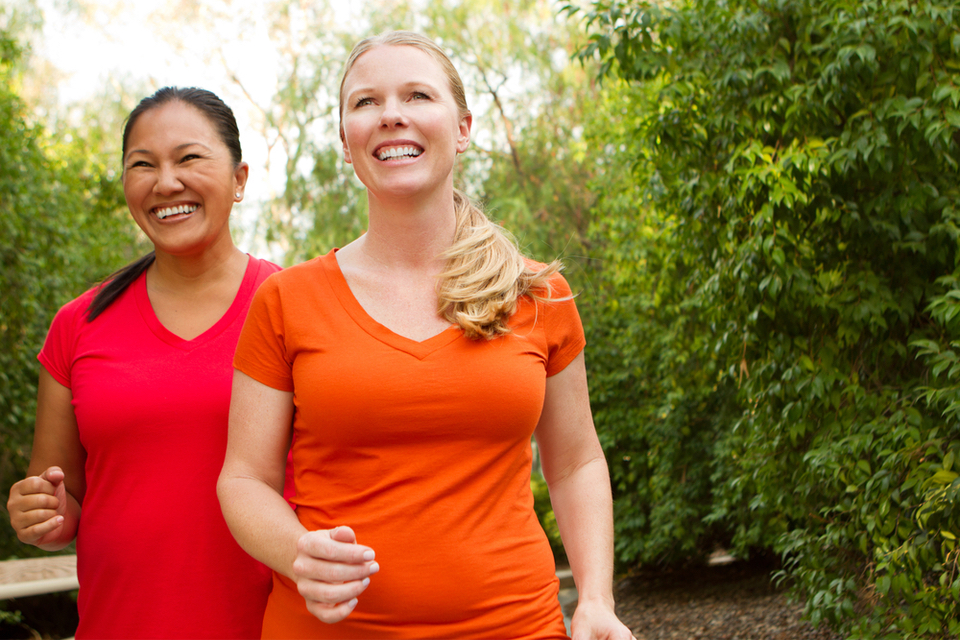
<point x="943" y="476"/>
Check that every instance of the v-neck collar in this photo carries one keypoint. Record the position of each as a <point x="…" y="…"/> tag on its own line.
<point x="417" y="349"/>
<point x="172" y="339"/>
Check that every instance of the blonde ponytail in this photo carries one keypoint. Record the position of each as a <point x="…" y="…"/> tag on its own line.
<point x="485" y="275"/>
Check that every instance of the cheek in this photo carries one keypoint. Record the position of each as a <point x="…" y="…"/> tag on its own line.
<point x="355" y="132"/>
<point x="130" y="190"/>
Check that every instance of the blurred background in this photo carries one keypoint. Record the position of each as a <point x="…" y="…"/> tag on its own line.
<point x="755" y="200"/>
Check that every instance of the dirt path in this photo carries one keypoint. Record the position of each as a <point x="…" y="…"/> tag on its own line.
<point x="736" y="601"/>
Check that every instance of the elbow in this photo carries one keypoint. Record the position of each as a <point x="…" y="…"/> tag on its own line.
<point x="593" y="463"/>
<point x="224" y="492"/>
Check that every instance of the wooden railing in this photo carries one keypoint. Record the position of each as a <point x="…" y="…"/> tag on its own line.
<point x="35" y="576"/>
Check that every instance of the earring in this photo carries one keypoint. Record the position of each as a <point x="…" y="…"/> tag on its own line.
<point x="238" y="195"/>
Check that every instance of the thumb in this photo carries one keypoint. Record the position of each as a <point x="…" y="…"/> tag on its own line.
<point x="343" y="534"/>
<point x="53" y="475"/>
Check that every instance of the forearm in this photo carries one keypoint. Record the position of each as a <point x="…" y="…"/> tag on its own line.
<point x="583" y="507"/>
<point x="261" y="520"/>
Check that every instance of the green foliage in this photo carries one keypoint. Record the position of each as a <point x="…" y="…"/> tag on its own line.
<point x="655" y="401"/>
<point x="544" y="510"/>
<point x="62" y="228"/>
<point x="791" y="263"/>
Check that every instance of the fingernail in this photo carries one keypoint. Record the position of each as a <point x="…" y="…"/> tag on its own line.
<point x="374" y="568"/>
<point x="369" y="555"/>
<point x="365" y="582"/>
<point x="352" y="603"/>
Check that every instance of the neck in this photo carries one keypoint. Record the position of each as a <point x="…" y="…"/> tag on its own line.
<point x="410" y="234"/>
<point x="190" y="273"/>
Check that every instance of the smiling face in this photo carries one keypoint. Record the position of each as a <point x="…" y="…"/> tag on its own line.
<point x="401" y="126"/>
<point x="180" y="181"/>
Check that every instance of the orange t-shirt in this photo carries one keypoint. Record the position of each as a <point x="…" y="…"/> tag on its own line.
<point x="423" y="448"/>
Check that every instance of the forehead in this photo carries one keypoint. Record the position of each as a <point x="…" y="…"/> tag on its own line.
<point x="173" y="120"/>
<point x="395" y="63"/>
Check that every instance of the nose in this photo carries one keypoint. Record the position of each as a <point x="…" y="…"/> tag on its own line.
<point x="392" y="114"/>
<point x="168" y="181"/>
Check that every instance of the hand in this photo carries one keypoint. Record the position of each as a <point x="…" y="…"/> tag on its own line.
<point x="38" y="507"/>
<point x="331" y="570"/>
<point x="596" y="620"/>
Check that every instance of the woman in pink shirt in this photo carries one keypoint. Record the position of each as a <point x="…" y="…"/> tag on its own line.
<point x="134" y="393"/>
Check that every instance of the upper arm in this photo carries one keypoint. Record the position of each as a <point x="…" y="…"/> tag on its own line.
<point x="56" y="437"/>
<point x="565" y="433"/>
<point x="260" y="429"/>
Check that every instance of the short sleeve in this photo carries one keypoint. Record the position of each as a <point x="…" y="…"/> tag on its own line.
<point x="59" y="348"/>
<point x="261" y="352"/>
<point x="564" y="330"/>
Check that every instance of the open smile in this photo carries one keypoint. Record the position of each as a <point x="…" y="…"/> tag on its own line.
<point x="166" y="212"/>
<point x="405" y="151"/>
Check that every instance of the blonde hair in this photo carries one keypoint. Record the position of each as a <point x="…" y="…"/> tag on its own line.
<point x="485" y="273"/>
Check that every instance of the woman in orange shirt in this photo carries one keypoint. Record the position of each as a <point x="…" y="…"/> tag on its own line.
<point x="412" y="366"/>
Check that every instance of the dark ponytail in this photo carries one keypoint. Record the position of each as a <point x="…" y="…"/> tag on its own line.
<point x="116" y="283"/>
<point x="221" y="116"/>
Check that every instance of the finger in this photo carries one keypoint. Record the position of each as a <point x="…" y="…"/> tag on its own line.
<point x="32" y="517"/>
<point x="37" y="531"/>
<point x="343" y="534"/>
<point x="29" y="502"/>
<point x="34" y="485"/>
<point x="331" y="613"/>
<point x="331" y="594"/>
<point x="312" y="568"/>
<point x="319" y="544"/>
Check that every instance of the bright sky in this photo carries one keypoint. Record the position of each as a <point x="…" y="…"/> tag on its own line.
<point x="138" y="44"/>
<point x="121" y="39"/>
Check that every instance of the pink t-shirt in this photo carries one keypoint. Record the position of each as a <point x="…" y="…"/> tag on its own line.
<point x="154" y="556"/>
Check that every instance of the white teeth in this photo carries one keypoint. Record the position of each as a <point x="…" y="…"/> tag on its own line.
<point x="397" y="152"/>
<point x="171" y="211"/>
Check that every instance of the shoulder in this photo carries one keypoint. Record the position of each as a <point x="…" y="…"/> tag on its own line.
<point x="66" y="329"/>
<point x="284" y="287"/>
<point x="261" y="269"/>
<point x="267" y="266"/>
<point x="554" y="286"/>
<point x="75" y="311"/>
<point x="533" y="265"/>
<point x="301" y="273"/>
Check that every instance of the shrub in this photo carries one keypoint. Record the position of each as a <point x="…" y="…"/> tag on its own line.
<point x="791" y="329"/>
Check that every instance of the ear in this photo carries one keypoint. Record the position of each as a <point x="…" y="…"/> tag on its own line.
<point x="346" y="150"/>
<point x="463" y="139"/>
<point x="240" y="175"/>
